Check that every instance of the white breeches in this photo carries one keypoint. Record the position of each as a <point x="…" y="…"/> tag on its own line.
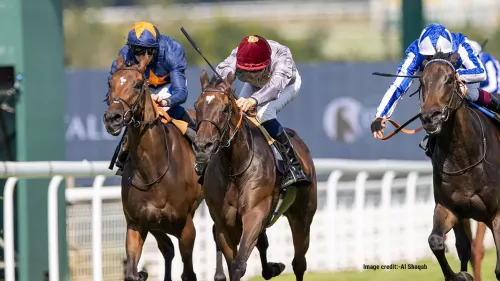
<point x="163" y="92"/>
<point x="269" y="110"/>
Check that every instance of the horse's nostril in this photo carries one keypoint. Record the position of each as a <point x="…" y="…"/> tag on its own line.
<point x="436" y="114"/>
<point x="209" y="146"/>
<point x="117" y="118"/>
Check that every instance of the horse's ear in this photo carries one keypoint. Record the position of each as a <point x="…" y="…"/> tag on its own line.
<point x="204" y="79"/>
<point x="454" y="58"/>
<point x="230" y="78"/>
<point x="120" y="61"/>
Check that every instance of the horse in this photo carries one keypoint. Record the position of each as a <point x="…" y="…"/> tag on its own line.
<point x="465" y="166"/>
<point x="160" y="190"/>
<point x="242" y="182"/>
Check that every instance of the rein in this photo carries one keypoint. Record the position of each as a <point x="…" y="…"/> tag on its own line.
<point x="446" y="109"/>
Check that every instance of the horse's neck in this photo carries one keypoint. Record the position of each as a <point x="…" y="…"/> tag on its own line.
<point x="147" y="147"/>
<point x="236" y="156"/>
<point x="463" y="138"/>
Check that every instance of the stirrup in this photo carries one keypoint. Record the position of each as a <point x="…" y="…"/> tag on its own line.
<point x="423" y="143"/>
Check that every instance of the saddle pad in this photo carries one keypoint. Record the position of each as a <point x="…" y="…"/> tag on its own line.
<point x="165" y="119"/>
<point x="269" y="139"/>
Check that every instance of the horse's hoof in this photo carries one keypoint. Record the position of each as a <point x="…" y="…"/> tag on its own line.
<point x="273" y="269"/>
<point x="220" y="277"/>
<point x="143" y="276"/>
<point x="463" y="276"/>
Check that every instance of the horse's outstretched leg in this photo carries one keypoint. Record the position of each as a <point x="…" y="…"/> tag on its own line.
<point x="444" y="220"/>
<point x="269" y="269"/>
<point x="186" y="245"/>
<point x="495" y="229"/>
<point x="462" y="243"/>
<point x="219" y="270"/>
<point x="136" y="235"/>
<point x="252" y="227"/>
<point x="228" y="246"/>
<point x="478" y="250"/>
<point x="166" y="248"/>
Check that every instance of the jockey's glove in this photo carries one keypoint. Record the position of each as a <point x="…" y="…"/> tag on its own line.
<point x="377" y="125"/>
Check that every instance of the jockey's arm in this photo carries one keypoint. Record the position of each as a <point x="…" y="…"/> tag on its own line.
<point x="409" y="66"/>
<point x="228" y="65"/>
<point x="176" y="62"/>
<point x="280" y="77"/>
<point x="474" y="68"/>
<point x="123" y="51"/>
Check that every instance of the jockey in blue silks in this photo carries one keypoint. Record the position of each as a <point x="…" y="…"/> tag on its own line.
<point x="492" y="67"/>
<point x="470" y="70"/>
<point x="165" y="72"/>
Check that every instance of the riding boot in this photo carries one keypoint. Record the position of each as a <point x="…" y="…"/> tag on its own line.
<point x="294" y="175"/>
<point x="429" y="146"/>
<point x="191" y="129"/>
<point x="122" y="157"/>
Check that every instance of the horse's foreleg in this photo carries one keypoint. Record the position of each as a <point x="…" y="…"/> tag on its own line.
<point x="228" y="246"/>
<point x="166" y="248"/>
<point x="462" y="243"/>
<point x="136" y="235"/>
<point x="219" y="270"/>
<point x="443" y="221"/>
<point x="269" y="269"/>
<point x="478" y="250"/>
<point x="186" y="245"/>
<point x="252" y="226"/>
<point x="495" y="229"/>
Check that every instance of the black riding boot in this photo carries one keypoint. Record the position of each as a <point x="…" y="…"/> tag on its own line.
<point x="429" y="146"/>
<point x="120" y="161"/>
<point x="191" y="130"/>
<point x="295" y="175"/>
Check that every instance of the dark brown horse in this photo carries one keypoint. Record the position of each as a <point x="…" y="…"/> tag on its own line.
<point x="465" y="163"/>
<point x="241" y="182"/>
<point x="160" y="190"/>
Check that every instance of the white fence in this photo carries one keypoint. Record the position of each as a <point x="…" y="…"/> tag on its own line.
<point x="369" y="212"/>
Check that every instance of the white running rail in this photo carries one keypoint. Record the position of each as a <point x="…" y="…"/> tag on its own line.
<point x="384" y="215"/>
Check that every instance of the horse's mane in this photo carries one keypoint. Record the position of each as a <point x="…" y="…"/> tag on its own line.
<point x="215" y="81"/>
<point x="441" y="56"/>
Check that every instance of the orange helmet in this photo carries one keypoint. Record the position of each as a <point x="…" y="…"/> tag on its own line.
<point x="254" y="53"/>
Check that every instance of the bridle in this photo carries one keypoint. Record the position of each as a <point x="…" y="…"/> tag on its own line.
<point x="449" y="108"/>
<point x="227" y="126"/>
<point x="138" y="104"/>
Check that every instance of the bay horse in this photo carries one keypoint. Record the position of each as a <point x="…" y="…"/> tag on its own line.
<point x="465" y="164"/>
<point x="160" y="189"/>
<point x="241" y="182"/>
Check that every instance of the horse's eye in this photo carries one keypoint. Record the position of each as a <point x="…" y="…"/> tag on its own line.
<point x="138" y="85"/>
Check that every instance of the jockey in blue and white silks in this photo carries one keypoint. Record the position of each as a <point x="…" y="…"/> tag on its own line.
<point x="492" y="66"/>
<point x="434" y="38"/>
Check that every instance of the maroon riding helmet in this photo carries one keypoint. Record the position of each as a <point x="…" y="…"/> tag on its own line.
<point x="254" y="53"/>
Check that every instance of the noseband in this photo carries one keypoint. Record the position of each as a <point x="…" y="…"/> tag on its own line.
<point x="131" y="109"/>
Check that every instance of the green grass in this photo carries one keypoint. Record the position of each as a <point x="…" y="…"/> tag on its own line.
<point x="432" y="273"/>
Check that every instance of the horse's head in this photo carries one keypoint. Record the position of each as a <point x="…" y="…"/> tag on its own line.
<point x="215" y="108"/>
<point x="441" y="91"/>
<point x="126" y="94"/>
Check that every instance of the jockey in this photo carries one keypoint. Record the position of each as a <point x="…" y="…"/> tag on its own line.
<point x="165" y="72"/>
<point x="492" y="67"/>
<point x="436" y="37"/>
<point x="271" y="81"/>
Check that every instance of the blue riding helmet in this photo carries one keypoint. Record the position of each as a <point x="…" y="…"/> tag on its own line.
<point x="435" y="38"/>
<point x="143" y="34"/>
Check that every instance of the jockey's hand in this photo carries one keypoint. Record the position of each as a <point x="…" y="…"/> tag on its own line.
<point x="245" y="103"/>
<point x="377" y="128"/>
<point x="161" y="102"/>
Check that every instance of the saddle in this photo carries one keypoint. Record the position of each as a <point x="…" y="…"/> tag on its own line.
<point x="287" y="195"/>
